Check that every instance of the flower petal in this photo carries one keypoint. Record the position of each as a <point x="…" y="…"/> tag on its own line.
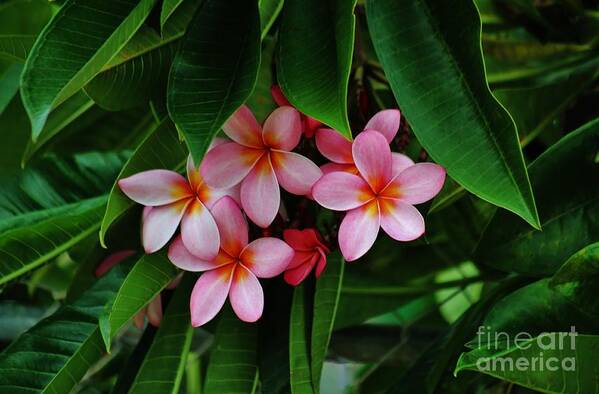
<point x="155" y="187"/>
<point x="295" y="173"/>
<point x="321" y="264"/>
<point x="232" y="226"/>
<point x="335" y="147"/>
<point x="266" y="257"/>
<point x="247" y="297"/>
<point x="140" y="318"/>
<point x="260" y="196"/>
<point x="304" y="240"/>
<point x="182" y="258"/>
<point x="111" y="260"/>
<point x="226" y="165"/>
<point x="199" y="231"/>
<point x="334" y="167"/>
<point x="299" y="258"/>
<point x="341" y="191"/>
<point x="282" y="129"/>
<point x="359" y="230"/>
<point x="161" y="223"/>
<point x="193" y="174"/>
<point x="310" y="125"/>
<point x="416" y="184"/>
<point x="400" y="163"/>
<point x="243" y="128"/>
<point x="296" y="275"/>
<point x="372" y="156"/>
<point x="385" y="122"/>
<point x="209" y="294"/>
<point x="154" y="311"/>
<point x="278" y="96"/>
<point x="401" y="221"/>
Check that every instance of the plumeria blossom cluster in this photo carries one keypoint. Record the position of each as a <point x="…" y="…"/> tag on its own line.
<point x="240" y="179"/>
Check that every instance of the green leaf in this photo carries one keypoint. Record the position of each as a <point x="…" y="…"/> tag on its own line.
<point x="431" y="54"/>
<point x="261" y="102"/>
<point x="139" y="73"/>
<point x="16" y="47"/>
<point x="537" y="109"/>
<point x="581" y="266"/>
<point x="569" y="213"/>
<point x="316" y="44"/>
<point x="161" y="148"/>
<point x="232" y="367"/>
<point x="101" y="28"/>
<point x="574" y="361"/>
<point x="162" y="368"/>
<point x="148" y="277"/>
<point x="9" y="82"/>
<point x="64" y="115"/>
<point x="299" y="343"/>
<point x="326" y="299"/>
<point x="26" y="248"/>
<point x="57" y="352"/>
<point x="214" y="71"/>
<point x="269" y="10"/>
<point x="54" y="182"/>
<point x="168" y="8"/>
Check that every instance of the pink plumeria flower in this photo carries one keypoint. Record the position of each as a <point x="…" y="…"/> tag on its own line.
<point x="310" y="251"/>
<point x="235" y="270"/>
<point x="261" y="159"/>
<point x="309" y="125"/>
<point x="381" y="195"/>
<point x="173" y="200"/>
<point x="338" y="149"/>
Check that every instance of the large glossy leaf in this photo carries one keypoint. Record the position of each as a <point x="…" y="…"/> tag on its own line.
<point x="582" y="266"/>
<point x="15" y="47"/>
<point x="316" y="43"/>
<point x="64" y="115"/>
<point x="160" y="148"/>
<point x="214" y="71"/>
<point x="326" y="298"/>
<point x="431" y="54"/>
<point x="269" y="10"/>
<point x="569" y="213"/>
<point x="261" y="102"/>
<point x="573" y="368"/>
<point x="56" y="181"/>
<point x="148" y="277"/>
<point x="162" y="368"/>
<point x="9" y="82"/>
<point x="299" y="343"/>
<point x="139" y="73"/>
<point x="232" y="367"/>
<point x="26" y="248"/>
<point x="57" y="352"/>
<point x="94" y="32"/>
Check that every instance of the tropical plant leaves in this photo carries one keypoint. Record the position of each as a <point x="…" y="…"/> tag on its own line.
<point x="57" y="352"/>
<point x="299" y="343"/>
<point x="232" y="367"/>
<point x="148" y="277"/>
<point x="162" y="368"/>
<point x="326" y="298"/>
<point x="16" y="47"/>
<point x="432" y="57"/>
<point x="269" y="10"/>
<point x="574" y="366"/>
<point x="214" y="71"/>
<point x="79" y="40"/>
<point x="160" y="148"/>
<point x="26" y="248"/>
<point x="569" y="213"/>
<point x="316" y="42"/>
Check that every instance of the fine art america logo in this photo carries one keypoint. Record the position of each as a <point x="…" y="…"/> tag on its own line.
<point x="523" y="352"/>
